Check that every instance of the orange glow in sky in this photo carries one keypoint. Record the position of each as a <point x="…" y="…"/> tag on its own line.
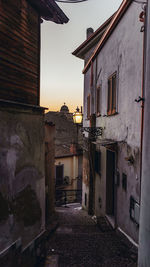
<point x="61" y="72"/>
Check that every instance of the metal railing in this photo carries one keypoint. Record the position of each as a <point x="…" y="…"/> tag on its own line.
<point x="64" y="197"/>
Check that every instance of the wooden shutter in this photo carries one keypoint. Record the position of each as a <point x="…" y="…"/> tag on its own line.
<point x="91" y="81"/>
<point x="109" y="97"/>
<point x="88" y="106"/>
<point x="98" y="101"/>
<point x="111" y="102"/>
<point x="114" y="93"/>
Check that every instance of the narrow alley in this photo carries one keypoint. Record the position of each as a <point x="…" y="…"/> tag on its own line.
<point x="79" y="241"/>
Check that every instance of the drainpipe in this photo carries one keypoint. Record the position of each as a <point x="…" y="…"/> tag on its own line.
<point x="142" y="19"/>
<point x="144" y="231"/>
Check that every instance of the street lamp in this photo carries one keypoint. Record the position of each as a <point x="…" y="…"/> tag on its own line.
<point x="77" y="116"/>
<point x="77" y="119"/>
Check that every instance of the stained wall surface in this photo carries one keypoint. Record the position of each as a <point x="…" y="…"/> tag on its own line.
<point x="123" y="54"/>
<point x="22" y="183"/>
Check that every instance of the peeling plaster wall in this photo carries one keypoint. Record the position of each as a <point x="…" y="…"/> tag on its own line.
<point x="50" y="169"/>
<point x="22" y="183"/>
<point x="123" y="54"/>
<point x="70" y="169"/>
<point x="100" y="186"/>
<point x="85" y="184"/>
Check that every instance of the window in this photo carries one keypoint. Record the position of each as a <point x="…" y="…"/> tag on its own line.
<point x="88" y="106"/>
<point x="98" y="101"/>
<point x="111" y="104"/>
<point x="59" y="174"/>
<point x="98" y="162"/>
<point x="91" y="80"/>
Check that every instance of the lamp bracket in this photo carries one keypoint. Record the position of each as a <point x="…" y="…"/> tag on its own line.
<point x="93" y="131"/>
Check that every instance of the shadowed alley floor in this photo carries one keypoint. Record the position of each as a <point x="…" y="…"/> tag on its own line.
<point x="78" y="241"/>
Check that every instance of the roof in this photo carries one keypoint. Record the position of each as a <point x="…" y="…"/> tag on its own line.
<point x="64" y="108"/>
<point x="49" y="10"/>
<point x="92" y="40"/>
<point x="63" y="150"/>
<point x="115" y="20"/>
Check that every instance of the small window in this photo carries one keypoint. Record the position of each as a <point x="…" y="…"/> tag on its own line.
<point x="111" y="104"/>
<point x="98" y="162"/>
<point x="98" y="101"/>
<point x="88" y="106"/>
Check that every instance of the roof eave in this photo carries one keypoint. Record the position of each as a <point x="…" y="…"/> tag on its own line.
<point x="123" y="7"/>
<point x="49" y="10"/>
<point x="91" y="38"/>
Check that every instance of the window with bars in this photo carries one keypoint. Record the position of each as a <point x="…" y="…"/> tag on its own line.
<point x="88" y="106"/>
<point x="112" y="94"/>
<point x="98" y="101"/>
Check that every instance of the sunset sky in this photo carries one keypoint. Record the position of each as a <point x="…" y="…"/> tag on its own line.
<point x="61" y="72"/>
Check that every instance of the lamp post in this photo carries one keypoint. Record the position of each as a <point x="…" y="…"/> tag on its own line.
<point x="77" y="116"/>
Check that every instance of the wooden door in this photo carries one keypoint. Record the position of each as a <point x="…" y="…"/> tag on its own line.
<point x="110" y="182"/>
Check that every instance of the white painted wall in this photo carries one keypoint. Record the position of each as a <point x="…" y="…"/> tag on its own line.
<point x="122" y="53"/>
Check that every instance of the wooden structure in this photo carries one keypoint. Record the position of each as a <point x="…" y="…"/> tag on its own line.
<point x="20" y="47"/>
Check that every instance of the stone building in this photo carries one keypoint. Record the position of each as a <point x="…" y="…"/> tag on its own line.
<point x="22" y="140"/>
<point x="112" y="84"/>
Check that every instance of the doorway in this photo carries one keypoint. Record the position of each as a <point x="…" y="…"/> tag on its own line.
<point x="59" y="174"/>
<point x="110" y="183"/>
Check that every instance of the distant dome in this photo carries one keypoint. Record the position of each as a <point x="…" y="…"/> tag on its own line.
<point x="64" y="108"/>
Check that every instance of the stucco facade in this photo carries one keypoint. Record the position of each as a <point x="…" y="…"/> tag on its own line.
<point x="22" y="186"/>
<point x="49" y="171"/>
<point x="117" y="185"/>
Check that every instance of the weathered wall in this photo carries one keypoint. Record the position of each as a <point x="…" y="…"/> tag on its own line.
<point x="19" y="52"/>
<point x="133" y="187"/>
<point x="22" y="183"/>
<point x="70" y="169"/>
<point x="100" y="185"/>
<point x="125" y="57"/>
<point x="49" y="169"/>
<point x="66" y="130"/>
<point x="85" y="184"/>
<point x="122" y="53"/>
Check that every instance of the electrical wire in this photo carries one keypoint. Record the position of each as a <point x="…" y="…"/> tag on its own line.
<point x="70" y="1"/>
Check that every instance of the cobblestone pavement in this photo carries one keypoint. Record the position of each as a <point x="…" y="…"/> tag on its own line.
<point x="78" y="241"/>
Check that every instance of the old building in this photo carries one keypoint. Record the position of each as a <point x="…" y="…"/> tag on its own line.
<point x="68" y="152"/>
<point x="112" y="111"/>
<point x="22" y="144"/>
<point x="49" y="171"/>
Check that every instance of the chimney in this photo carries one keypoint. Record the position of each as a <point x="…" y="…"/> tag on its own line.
<point x="89" y="32"/>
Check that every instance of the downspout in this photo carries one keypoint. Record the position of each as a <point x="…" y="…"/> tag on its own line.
<point x="142" y="19"/>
